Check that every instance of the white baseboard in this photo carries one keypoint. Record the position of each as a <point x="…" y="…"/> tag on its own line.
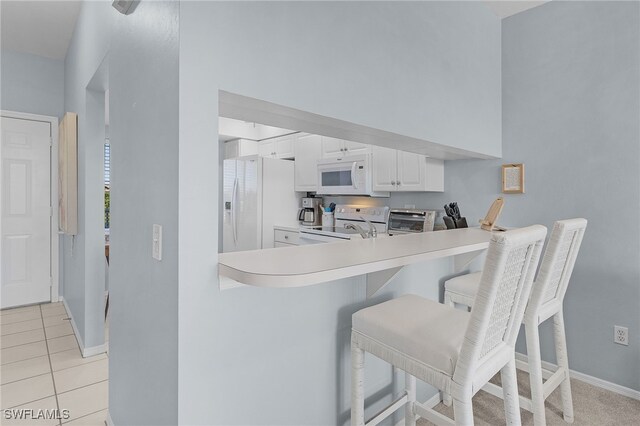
<point x="86" y="351"/>
<point x="429" y="403"/>
<point x="613" y="387"/>
<point x="109" y="420"/>
<point x="94" y="350"/>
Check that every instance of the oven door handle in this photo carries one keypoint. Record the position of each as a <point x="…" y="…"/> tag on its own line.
<point x="353" y="175"/>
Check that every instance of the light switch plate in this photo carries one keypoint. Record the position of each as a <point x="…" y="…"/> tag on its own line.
<point x="157" y="242"/>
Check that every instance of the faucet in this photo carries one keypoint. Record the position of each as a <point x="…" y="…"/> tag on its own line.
<point x="373" y="232"/>
<point x="364" y="234"/>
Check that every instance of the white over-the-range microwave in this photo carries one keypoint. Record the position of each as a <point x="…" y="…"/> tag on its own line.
<point x="350" y="175"/>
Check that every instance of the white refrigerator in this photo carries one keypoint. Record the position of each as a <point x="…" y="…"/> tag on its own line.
<point x="258" y="194"/>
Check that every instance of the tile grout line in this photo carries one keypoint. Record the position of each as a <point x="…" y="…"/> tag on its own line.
<point x="86" y="415"/>
<point x="86" y="386"/>
<point x="25" y="359"/>
<point x="16" y="332"/>
<point x="51" y="366"/>
<point x="53" y="379"/>
<point x="25" y="378"/>
<point x="31" y="343"/>
<point x="27" y="402"/>
<point x="79" y="365"/>
<point x="28" y="343"/>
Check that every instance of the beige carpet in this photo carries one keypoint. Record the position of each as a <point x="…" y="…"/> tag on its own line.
<point x="591" y="405"/>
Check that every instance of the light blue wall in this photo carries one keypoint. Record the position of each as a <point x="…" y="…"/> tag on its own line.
<point x="428" y="70"/>
<point x="136" y="57"/>
<point x="571" y="113"/>
<point x="83" y="254"/>
<point x="143" y="344"/>
<point x="32" y="84"/>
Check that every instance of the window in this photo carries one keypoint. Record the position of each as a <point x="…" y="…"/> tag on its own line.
<point x="107" y="183"/>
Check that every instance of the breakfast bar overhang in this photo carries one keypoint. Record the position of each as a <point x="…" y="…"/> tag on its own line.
<point x="379" y="258"/>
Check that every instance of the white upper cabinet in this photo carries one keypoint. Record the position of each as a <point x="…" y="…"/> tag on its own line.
<point x="355" y="148"/>
<point x="240" y="148"/>
<point x="280" y="147"/>
<point x="332" y="147"/>
<point x="400" y="171"/>
<point x="411" y="171"/>
<point x="266" y="148"/>
<point x="385" y="169"/>
<point x="284" y="146"/>
<point x="308" y="150"/>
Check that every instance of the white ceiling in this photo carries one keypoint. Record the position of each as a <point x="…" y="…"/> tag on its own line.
<point x="39" y="27"/>
<point x="507" y="8"/>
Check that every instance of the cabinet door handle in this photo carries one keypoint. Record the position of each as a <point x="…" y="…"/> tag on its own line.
<point x="286" y="237"/>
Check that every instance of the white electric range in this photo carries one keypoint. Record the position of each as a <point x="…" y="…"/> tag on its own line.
<point x="348" y="217"/>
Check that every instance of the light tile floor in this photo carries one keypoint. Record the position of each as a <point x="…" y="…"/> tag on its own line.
<point x="42" y="368"/>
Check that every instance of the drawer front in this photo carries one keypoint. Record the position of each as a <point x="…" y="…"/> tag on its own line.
<point x="277" y="244"/>
<point x="288" y="237"/>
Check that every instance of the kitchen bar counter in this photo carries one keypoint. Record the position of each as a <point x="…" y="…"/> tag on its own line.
<point x="290" y="228"/>
<point x="300" y="266"/>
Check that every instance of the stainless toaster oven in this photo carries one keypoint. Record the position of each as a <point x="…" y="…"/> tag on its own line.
<point x="406" y="221"/>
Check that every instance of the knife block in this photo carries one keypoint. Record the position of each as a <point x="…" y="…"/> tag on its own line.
<point x="452" y="223"/>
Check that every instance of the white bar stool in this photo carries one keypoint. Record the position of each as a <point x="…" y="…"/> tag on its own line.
<point x="546" y="300"/>
<point x="455" y="351"/>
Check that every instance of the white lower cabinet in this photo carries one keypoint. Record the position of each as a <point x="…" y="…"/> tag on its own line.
<point x="285" y="238"/>
<point x="401" y="171"/>
<point x="308" y="150"/>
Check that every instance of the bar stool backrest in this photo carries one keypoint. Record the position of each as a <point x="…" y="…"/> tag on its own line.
<point x="500" y="303"/>
<point x="557" y="263"/>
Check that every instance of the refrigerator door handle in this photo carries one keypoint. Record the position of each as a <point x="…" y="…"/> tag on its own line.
<point x="353" y="175"/>
<point x="234" y="222"/>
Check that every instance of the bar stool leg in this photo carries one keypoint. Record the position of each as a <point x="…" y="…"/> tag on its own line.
<point x="563" y="363"/>
<point x="535" y="373"/>
<point x="446" y="398"/>
<point x="463" y="412"/>
<point x="511" y="397"/>
<point x="447" y="299"/>
<point x="357" y="386"/>
<point x="410" y="385"/>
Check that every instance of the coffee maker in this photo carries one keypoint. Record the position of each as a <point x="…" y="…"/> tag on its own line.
<point x="311" y="212"/>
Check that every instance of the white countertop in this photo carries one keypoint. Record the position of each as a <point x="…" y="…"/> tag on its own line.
<point x="299" y="266"/>
<point x="291" y="228"/>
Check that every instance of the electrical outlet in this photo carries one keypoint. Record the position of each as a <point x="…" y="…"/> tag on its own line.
<point x="621" y="335"/>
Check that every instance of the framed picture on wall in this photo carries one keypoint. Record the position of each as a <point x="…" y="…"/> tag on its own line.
<point x="513" y="178"/>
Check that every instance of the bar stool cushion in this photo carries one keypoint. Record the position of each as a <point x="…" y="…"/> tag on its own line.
<point x="466" y="285"/>
<point x="432" y="334"/>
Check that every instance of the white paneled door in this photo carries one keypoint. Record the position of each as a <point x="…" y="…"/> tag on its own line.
<point x="25" y="249"/>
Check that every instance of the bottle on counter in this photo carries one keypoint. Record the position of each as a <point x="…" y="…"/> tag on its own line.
<point x="327" y="221"/>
